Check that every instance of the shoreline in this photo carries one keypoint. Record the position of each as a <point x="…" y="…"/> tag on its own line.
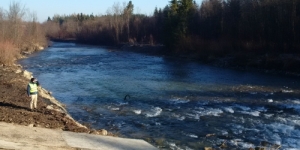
<point x="50" y="123"/>
<point x="279" y="64"/>
<point x="53" y="104"/>
<point x="272" y="64"/>
<point x="51" y="113"/>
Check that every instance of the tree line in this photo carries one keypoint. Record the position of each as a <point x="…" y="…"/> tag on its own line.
<point x="19" y="31"/>
<point x="215" y="27"/>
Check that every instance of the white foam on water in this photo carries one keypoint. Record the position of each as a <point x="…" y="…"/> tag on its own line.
<point x="234" y="142"/>
<point x="237" y="129"/>
<point x="156" y="111"/>
<point x="209" y="111"/>
<point x="275" y="138"/>
<point x="294" y="101"/>
<point x="252" y="113"/>
<point x="244" y="108"/>
<point x="115" y="108"/>
<point x="178" y="100"/>
<point x="125" y="103"/>
<point x="178" y="117"/>
<point x="187" y="148"/>
<point x="193" y="136"/>
<point x="281" y="120"/>
<point x="173" y="146"/>
<point x="246" y="145"/>
<point x="268" y="115"/>
<point x="287" y="91"/>
<point x="261" y="109"/>
<point x="293" y="104"/>
<point x="241" y="144"/>
<point x="281" y="128"/>
<point x="294" y="122"/>
<point x="270" y="100"/>
<point x="223" y="132"/>
<point x="228" y="109"/>
<point x="193" y="116"/>
<point x="137" y="111"/>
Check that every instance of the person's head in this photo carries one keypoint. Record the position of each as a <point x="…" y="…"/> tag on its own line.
<point x="33" y="80"/>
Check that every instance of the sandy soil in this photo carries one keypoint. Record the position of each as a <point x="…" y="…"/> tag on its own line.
<point x="14" y="105"/>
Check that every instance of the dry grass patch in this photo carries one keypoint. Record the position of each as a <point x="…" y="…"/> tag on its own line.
<point x="8" y="52"/>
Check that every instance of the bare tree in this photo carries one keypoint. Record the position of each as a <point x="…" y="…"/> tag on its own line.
<point x="2" y="23"/>
<point x="51" y="28"/>
<point x="116" y="19"/>
<point x="15" y="15"/>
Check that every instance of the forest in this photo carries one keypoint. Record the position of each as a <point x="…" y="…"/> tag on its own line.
<point x="255" y="33"/>
<point x="183" y="25"/>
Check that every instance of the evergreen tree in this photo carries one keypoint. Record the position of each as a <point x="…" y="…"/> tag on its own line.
<point x="49" y="19"/>
<point x="177" y="23"/>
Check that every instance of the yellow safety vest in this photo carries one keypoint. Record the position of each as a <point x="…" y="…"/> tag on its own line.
<point x="33" y="88"/>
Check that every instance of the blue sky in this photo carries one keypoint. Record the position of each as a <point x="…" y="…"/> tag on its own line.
<point x="45" y="8"/>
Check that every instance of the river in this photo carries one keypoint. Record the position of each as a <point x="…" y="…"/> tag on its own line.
<point x="173" y="104"/>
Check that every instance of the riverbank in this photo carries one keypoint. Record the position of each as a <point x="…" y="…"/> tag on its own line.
<point x="14" y="104"/>
<point x="26" y="129"/>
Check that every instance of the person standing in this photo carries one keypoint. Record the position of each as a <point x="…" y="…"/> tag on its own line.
<point x="32" y="91"/>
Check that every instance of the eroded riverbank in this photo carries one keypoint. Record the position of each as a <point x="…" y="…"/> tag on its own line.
<point x="14" y="104"/>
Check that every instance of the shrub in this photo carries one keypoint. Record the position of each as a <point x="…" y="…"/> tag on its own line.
<point x="8" y="52"/>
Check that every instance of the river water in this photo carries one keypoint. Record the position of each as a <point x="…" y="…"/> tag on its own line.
<point x="173" y="104"/>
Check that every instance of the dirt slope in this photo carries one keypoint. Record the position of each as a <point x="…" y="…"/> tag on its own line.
<point x="14" y="104"/>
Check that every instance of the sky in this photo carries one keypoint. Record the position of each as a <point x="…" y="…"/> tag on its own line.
<point x="45" y="8"/>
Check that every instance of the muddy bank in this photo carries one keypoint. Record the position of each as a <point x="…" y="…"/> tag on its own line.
<point x="14" y="104"/>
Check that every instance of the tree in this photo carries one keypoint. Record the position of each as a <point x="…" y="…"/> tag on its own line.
<point x="177" y="23"/>
<point x="128" y="11"/>
<point x="184" y="12"/>
<point x="116" y="20"/>
<point x="15" y="14"/>
<point x="211" y="18"/>
<point x="171" y="24"/>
